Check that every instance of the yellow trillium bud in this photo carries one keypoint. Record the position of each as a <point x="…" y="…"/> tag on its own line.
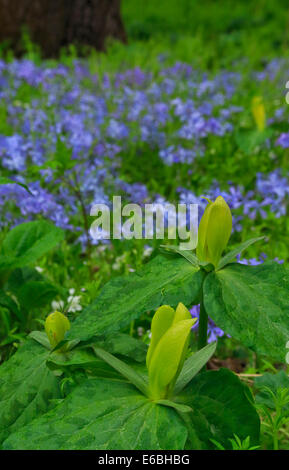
<point x="168" y="348"/>
<point x="214" y="231"/>
<point x="56" y="325"/>
<point x="258" y="111"/>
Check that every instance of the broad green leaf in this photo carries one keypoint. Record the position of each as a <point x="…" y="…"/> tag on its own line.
<point x="251" y="303"/>
<point x="104" y="414"/>
<point x="161" y="281"/>
<point x="229" y="257"/>
<point x="7" y="302"/>
<point x="125" y="370"/>
<point x="26" y="387"/>
<point x="4" y="180"/>
<point x="222" y="406"/>
<point x="84" y="357"/>
<point x="124" y="345"/>
<point x="78" y="359"/>
<point x="249" y="140"/>
<point x="193" y="365"/>
<point x="36" y="294"/>
<point x="27" y="242"/>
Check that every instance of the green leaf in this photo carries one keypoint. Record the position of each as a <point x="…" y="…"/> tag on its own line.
<point x="188" y="255"/>
<point x="251" y="303"/>
<point x="104" y="414"/>
<point x="27" y="242"/>
<point x="249" y="140"/>
<point x="126" y="371"/>
<point x="222" y="406"/>
<point x="4" y="180"/>
<point x="272" y="382"/>
<point x="7" y="302"/>
<point x="78" y="359"/>
<point x="193" y="365"/>
<point x="26" y="387"/>
<point x="83" y="356"/>
<point x="41" y="338"/>
<point x="161" y="281"/>
<point x="36" y="294"/>
<point x="229" y="257"/>
<point x="124" y="345"/>
<point x="177" y="406"/>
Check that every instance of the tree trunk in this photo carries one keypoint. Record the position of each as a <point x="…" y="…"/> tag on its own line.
<point x="53" y="24"/>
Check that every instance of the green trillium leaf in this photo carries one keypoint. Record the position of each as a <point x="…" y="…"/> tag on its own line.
<point x="26" y="387"/>
<point x="112" y="414"/>
<point x="222" y="406"/>
<point x="161" y="281"/>
<point x="251" y="303"/>
<point x="104" y="414"/>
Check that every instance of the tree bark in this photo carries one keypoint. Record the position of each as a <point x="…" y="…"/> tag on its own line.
<point x="53" y="24"/>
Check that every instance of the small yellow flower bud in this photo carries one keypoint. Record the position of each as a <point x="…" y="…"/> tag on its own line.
<point x="56" y="325"/>
<point x="214" y="231"/>
<point x="258" y="111"/>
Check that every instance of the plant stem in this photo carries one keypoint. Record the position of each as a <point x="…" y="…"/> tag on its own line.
<point x="203" y="326"/>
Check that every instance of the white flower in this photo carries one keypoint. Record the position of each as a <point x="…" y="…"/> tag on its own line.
<point x="140" y="331"/>
<point x="74" y="303"/>
<point x="147" y="251"/>
<point x="57" y="305"/>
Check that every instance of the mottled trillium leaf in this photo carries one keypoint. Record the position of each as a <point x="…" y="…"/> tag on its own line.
<point x="229" y="257"/>
<point x="251" y="303"/>
<point x="124" y="345"/>
<point x="161" y="281"/>
<point x="81" y="359"/>
<point x="26" y="387"/>
<point x="27" y="242"/>
<point x="112" y="414"/>
<point x="104" y="414"/>
<point x="222" y="406"/>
